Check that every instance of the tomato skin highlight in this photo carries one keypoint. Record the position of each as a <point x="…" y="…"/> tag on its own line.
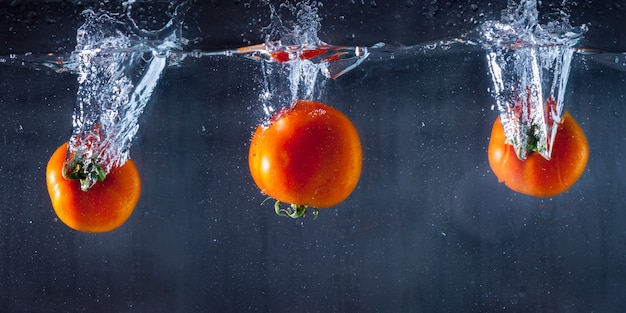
<point x="107" y="204"/>
<point x="310" y="155"/>
<point x="537" y="176"/>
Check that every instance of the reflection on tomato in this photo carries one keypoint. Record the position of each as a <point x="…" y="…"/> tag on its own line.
<point x="312" y="53"/>
<point x="104" y="207"/>
<point x="280" y="56"/>
<point x="306" y="54"/>
<point x="309" y="155"/>
<point x="537" y="176"/>
<point x="285" y="56"/>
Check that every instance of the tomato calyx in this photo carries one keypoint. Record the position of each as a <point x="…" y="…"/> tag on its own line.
<point x="293" y="210"/>
<point x="533" y="141"/>
<point x="87" y="172"/>
<point x="532" y="145"/>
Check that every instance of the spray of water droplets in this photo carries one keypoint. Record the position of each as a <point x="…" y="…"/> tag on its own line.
<point x="300" y="77"/>
<point x="529" y="64"/>
<point x="118" y="67"/>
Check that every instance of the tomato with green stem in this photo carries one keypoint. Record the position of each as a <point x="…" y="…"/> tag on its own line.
<point x="537" y="176"/>
<point x="102" y="208"/>
<point x="309" y="156"/>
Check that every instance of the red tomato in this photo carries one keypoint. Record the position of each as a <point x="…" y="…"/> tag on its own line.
<point x="537" y="176"/>
<point x="104" y="207"/>
<point x="309" y="155"/>
<point x="284" y="56"/>
<point x="280" y="56"/>
<point x="311" y="53"/>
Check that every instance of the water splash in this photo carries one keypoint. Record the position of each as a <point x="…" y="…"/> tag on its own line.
<point x="293" y="57"/>
<point x="118" y="66"/>
<point x="529" y="64"/>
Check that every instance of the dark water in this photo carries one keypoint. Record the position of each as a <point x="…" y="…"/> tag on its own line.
<point x="428" y="228"/>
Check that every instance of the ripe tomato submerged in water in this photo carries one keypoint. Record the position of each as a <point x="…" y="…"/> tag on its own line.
<point x="537" y="176"/>
<point x="310" y="154"/>
<point x="104" y="207"/>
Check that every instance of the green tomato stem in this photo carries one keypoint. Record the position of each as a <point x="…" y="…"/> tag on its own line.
<point x="87" y="172"/>
<point x="294" y="210"/>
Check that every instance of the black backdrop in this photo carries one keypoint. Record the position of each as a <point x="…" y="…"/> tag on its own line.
<point x="428" y="228"/>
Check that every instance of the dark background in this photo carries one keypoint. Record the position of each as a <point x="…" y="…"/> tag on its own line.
<point x="428" y="228"/>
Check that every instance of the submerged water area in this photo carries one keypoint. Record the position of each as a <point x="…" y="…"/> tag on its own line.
<point x="428" y="228"/>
